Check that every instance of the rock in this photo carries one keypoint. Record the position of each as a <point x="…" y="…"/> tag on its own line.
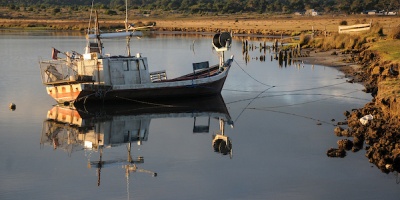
<point x="12" y="106"/>
<point x="346" y="133"/>
<point x="336" y="153"/>
<point x="338" y="131"/>
<point x="345" y="144"/>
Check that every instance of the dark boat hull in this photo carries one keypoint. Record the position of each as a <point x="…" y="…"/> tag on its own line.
<point x="210" y="88"/>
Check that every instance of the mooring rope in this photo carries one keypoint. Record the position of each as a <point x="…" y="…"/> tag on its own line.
<point x="146" y="102"/>
<point x="301" y="94"/>
<point x="251" y="102"/>
<point x="252" y="76"/>
<point x="287" y="113"/>
<point x="297" y="90"/>
<point x="313" y="88"/>
<point x="323" y="99"/>
<point x="286" y="93"/>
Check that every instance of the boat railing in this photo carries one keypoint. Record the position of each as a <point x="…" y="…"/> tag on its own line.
<point x="158" y="76"/>
<point x="61" y="71"/>
<point x="60" y="136"/>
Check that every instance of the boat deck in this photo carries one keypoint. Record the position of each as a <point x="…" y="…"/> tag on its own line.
<point x="212" y="71"/>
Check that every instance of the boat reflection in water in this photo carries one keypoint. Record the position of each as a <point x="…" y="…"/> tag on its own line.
<point x="94" y="128"/>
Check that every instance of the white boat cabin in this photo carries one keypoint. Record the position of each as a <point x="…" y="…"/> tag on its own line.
<point x="115" y="70"/>
<point x="107" y="70"/>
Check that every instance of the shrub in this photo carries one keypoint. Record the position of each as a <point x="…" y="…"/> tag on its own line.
<point x="56" y="10"/>
<point x="150" y="23"/>
<point x="376" y="29"/>
<point x="343" y="23"/>
<point x="380" y="31"/>
<point x="121" y="8"/>
<point x="139" y="24"/>
<point x="394" y="33"/>
<point x="111" y="12"/>
<point x="304" y="39"/>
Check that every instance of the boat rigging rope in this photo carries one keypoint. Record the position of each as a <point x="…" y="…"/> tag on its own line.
<point x="146" y="102"/>
<point x="252" y="76"/>
<point x="251" y="102"/>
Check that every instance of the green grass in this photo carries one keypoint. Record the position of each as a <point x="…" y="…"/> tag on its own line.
<point x="388" y="49"/>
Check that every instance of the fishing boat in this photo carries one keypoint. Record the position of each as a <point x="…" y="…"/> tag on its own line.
<point x="94" y="75"/>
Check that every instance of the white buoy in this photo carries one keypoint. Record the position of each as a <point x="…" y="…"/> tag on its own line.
<point x="12" y="106"/>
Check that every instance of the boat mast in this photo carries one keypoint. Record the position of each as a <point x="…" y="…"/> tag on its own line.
<point x="97" y="32"/>
<point x="90" y="17"/>
<point x="128" y="38"/>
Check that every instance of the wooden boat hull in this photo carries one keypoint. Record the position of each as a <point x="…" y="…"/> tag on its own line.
<point x="210" y="88"/>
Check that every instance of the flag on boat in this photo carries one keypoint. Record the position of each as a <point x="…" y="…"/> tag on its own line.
<point x="54" y="53"/>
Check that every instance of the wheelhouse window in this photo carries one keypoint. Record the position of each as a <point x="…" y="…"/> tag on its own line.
<point x="134" y="65"/>
<point x="141" y="64"/>
<point x="137" y="64"/>
<point x="125" y="66"/>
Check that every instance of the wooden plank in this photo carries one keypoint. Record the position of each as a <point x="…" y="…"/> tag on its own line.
<point x="354" y="28"/>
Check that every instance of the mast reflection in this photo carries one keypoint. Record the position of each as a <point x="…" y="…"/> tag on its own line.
<point x="94" y="128"/>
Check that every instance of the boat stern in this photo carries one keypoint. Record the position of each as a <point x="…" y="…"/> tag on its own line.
<point x="64" y="93"/>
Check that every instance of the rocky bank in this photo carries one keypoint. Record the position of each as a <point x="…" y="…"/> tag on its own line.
<point x="380" y="135"/>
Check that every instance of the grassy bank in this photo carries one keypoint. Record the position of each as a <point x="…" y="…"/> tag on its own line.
<point x="388" y="49"/>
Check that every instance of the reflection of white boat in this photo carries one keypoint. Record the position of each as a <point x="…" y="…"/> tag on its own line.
<point x="94" y="128"/>
<point x="94" y="75"/>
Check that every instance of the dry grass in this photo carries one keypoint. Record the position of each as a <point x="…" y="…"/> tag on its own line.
<point x="391" y="88"/>
<point x="348" y="41"/>
<point x="263" y="23"/>
<point x="394" y="33"/>
<point x="339" y="41"/>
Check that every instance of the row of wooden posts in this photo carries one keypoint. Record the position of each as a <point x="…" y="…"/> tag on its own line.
<point x="280" y="53"/>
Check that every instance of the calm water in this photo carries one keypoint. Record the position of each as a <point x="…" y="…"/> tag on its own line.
<point x="278" y="150"/>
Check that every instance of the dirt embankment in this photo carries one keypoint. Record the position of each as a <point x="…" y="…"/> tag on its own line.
<point x="381" y="134"/>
